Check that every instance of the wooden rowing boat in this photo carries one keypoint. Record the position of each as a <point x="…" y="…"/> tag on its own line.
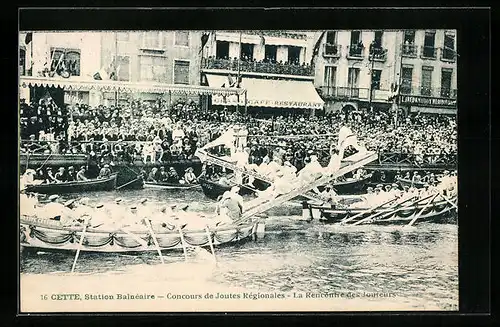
<point x="407" y="182"/>
<point x="350" y="186"/>
<point x="48" y="234"/>
<point x="387" y="214"/>
<point x="171" y="186"/>
<point x="214" y="189"/>
<point x="103" y="184"/>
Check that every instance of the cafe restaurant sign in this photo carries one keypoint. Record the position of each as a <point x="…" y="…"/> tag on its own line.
<point x="428" y="101"/>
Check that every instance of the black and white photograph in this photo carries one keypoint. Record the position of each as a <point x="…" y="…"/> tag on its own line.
<point x="238" y="170"/>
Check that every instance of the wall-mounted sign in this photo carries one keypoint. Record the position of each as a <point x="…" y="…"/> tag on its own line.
<point x="428" y="101"/>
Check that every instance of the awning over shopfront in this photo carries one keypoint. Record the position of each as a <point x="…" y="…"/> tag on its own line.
<point x="73" y="84"/>
<point x="269" y="93"/>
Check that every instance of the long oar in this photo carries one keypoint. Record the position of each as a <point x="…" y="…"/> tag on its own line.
<point x="382" y="214"/>
<point x="148" y="224"/>
<point x="345" y="220"/>
<point x="80" y="243"/>
<point x="448" y="200"/>
<point x="43" y="164"/>
<point x="128" y="183"/>
<point x="207" y="230"/>
<point x="420" y="212"/>
<point x="399" y="207"/>
<point x="183" y="243"/>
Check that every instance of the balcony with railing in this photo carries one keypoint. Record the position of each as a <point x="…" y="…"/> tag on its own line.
<point x="409" y="50"/>
<point x="434" y="92"/>
<point x="448" y="55"/>
<point x="258" y="67"/>
<point x="378" y="54"/>
<point x="355" y="51"/>
<point x="428" y="52"/>
<point x="331" y="50"/>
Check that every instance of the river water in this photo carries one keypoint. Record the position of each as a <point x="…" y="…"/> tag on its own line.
<point x="409" y="269"/>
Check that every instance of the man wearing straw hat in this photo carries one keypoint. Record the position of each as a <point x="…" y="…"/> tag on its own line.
<point x="52" y="210"/>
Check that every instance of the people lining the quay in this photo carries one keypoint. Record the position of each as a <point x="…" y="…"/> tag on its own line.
<point x="159" y="133"/>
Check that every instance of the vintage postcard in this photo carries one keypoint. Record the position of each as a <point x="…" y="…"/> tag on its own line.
<point x="227" y="170"/>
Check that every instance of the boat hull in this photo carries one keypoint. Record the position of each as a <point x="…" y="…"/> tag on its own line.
<point x="350" y="186"/>
<point x="107" y="184"/>
<point x="171" y="186"/>
<point x="384" y="216"/>
<point x="213" y="189"/>
<point x="43" y="234"/>
<point x="406" y="182"/>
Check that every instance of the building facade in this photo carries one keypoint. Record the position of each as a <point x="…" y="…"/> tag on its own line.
<point x="273" y="66"/>
<point x="170" y="57"/>
<point x="357" y="69"/>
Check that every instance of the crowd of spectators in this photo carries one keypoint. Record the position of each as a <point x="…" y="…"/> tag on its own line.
<point x="159" y="133"/>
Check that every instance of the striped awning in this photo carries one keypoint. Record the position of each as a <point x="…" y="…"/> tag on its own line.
<point x="72" y="84"/>
<point x="270" y="93"/>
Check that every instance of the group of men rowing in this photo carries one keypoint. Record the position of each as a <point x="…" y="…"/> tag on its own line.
<point x="118" y="216"/>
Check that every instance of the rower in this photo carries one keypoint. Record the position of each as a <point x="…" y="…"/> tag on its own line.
<point x="189" y="176"/>
<point x="71" y="174"/>
<point x="162" y="219"/>
<point x="152" y="175"/>
<point x="311" y="172"/>
<point x="60" y="176"/>
<point x="329" y="195"/>
<point x="80" y="176"/>
<point x="143" y="211"/>
<point x="81" y="209"/>
<point x="115" y="210"/>
<point x="236" y="196"/>
<point x="52" y="210"/>
<point x="228" y="209"/>
<point x="99" y="216"/>
<point x="104" y="172"/>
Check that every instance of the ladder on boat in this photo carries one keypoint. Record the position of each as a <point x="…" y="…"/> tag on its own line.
<point x="349" y="164"/>
<point x="204" y="156"/>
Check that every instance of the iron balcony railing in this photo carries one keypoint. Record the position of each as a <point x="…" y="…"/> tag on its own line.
<point x="379" y="54"/>
<point x="258" y="67"/>
<point x="436" y="92"/>
<point x="428" y="52"/>
<point x="357" y="93"/>
<point x="355" y="51"/>
<point x="331" y="50"/>
<point x="409" y="50"/>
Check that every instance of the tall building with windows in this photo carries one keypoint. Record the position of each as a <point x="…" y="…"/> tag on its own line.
<point x="273" y="66"/>
<point x="361" y="69"/>
<point x="168" y="57"/>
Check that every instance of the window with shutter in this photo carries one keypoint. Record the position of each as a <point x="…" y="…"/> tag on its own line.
<point x="181" y="72"/>
<point x="426" y="87"/>
<point x="330" y="77"/>
<point x="123" y="68"/>
<point x="446" y="82"/>
<point x="353" y="77"/>
<point x="406" y="79"/>
<point x="182" y="38"/>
